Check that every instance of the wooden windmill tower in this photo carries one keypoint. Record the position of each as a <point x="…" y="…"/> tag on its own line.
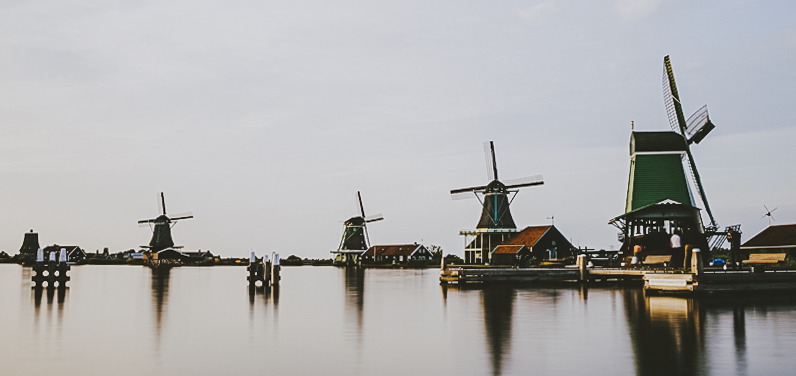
<point x="161" y="231"/>
<point x="496" y="223"/>
<point x="660" y="202"/>
<point x="355" y="240"/>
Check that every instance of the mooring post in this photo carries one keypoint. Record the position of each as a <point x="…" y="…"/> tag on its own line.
<point x="696" y="262"/>
<point x="38" y="268"/>
<point x="275" y="268"/>
<point x="63" y="267"/>
<point x="583" y="268"/>
<point x="266" y="270"/>
<point x="51" y="265"/>
<point x="252" y="278"/>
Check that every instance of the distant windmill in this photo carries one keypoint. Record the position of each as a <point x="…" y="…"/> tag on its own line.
<point x="161" y="232"/>
<point x="768" y="214"/>
<point x="495" y="195"/>
<point x="355" y="240"/>
<point x="693" y="130"/>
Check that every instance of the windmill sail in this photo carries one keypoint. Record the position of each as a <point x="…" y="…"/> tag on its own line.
<point x="677" y="120"/>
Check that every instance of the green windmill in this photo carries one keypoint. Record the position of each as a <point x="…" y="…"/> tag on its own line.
<point x="660" y="202"/>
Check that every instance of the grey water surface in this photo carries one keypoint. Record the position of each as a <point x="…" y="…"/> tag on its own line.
<point x="128" y="320"/>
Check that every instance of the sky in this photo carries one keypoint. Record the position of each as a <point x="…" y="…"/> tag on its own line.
<point x="264" y="118"/>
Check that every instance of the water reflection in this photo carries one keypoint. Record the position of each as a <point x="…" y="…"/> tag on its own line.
<point x="666" y="333"/>
<point x="160" y="294"/>
<point x="498" y="304"/>
<point x="354" y="280"/>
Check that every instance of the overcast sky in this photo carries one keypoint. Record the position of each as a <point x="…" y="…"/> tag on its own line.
<point x="264" y="118"/>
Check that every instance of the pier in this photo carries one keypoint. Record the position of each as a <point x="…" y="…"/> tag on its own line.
<point x="654" y="280"/>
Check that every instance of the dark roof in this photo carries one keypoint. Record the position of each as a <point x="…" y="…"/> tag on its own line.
<point x="772" y="236"/>
<point x="668" y="141"/>
<point x="392" y="250"/>
<point x="528" y="236"/>
<point x="510" y="249"/>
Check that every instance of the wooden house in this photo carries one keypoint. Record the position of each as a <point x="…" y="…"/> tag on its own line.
<point x="510" y="255"/>
<point x="773" y="239"/>
<point x="400" y="253"/>
<point x="199" y="257"/>
<point x="73" y="252"/>
<point x="544" y="243"/>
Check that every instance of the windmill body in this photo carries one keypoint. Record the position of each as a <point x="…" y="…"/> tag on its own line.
<point x="162" y="244"/>
<point x="496" y="224"/>
<point x="355" y="240"/>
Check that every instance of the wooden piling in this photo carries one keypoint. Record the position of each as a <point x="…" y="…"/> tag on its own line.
<point x="583" y="268"/>
<point x="275" y="269"/>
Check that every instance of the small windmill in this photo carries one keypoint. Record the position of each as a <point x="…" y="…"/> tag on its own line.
<point x="693" y="130"/>
<point x="494" y="197"/>
<point x="355" y="240"/>
<point x="161" y="232"/>
<point x="768" y="214"/>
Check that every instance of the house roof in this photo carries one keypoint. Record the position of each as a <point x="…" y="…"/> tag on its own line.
<point x="392" y="250"/>
<point x="509" y="249"/>
<point x="646" y="142"/>
<point x="773" y="236"/>
<point x="528" y="236"/>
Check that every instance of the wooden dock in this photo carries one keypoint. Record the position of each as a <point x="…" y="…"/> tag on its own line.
<point x="655" y="280"/>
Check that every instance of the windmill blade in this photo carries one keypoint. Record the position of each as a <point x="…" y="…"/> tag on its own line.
<point x="162" y="203"/>
<point x="491" y="164"/>
<point x="463" y="195"/>
<point x="374" y="218"/>
<point x="775" y="209"/>
<point x="179" y="218"/>
<point x="183" y="214"/>
<point x="471" y="189"/>
<point x="696" y="120"/>
<point x="671" y="98"/>
<point x="525" y="182"/>
<point x="699" y="125"/>
<point x="145" y="221"/>
<point x="361" y="207"/>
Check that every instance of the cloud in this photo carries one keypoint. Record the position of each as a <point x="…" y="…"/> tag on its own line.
<point x="538" y="12"/>
<point x="636" y="9"/>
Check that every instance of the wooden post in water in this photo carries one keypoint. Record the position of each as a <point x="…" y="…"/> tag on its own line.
<point x="275" y="268"/>
<point x="266" y="270"/>
<point x="696" y="261"/>
<point x="63" y="267"/>
<point x="582" y="267"/>
<point x="255" y="270"/>
<point x="51" y="271"/>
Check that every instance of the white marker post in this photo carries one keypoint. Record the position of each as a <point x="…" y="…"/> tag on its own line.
<point x="275" y="268"/>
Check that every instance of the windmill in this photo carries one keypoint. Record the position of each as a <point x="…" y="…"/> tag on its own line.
<point x="355" y="240"/>
<point x="496" y="197"/>
<point x="768" y="214"/>
<point x="161" y="232"/>
<point x="693" y="130"/>
<point x="496" y="223"/>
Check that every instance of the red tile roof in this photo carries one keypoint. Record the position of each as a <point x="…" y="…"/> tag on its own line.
<point x="528" y="236"/>
<point x="773" y="236"/>
<point x="392" y="250"/>
<point x="510" y="249"/>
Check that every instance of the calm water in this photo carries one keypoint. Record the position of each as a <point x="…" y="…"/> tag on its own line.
<point x="123" y="320"/>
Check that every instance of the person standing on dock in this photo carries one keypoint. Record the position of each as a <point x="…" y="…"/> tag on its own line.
<point x="677" y="246"/>
<point x="734" y="238"/>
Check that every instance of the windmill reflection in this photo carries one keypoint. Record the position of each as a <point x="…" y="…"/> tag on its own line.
<point x="498" y="304"/>
<point x="667" y="334"/>
<point x="160" y="294"/>
<point x="354" y="279"/>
